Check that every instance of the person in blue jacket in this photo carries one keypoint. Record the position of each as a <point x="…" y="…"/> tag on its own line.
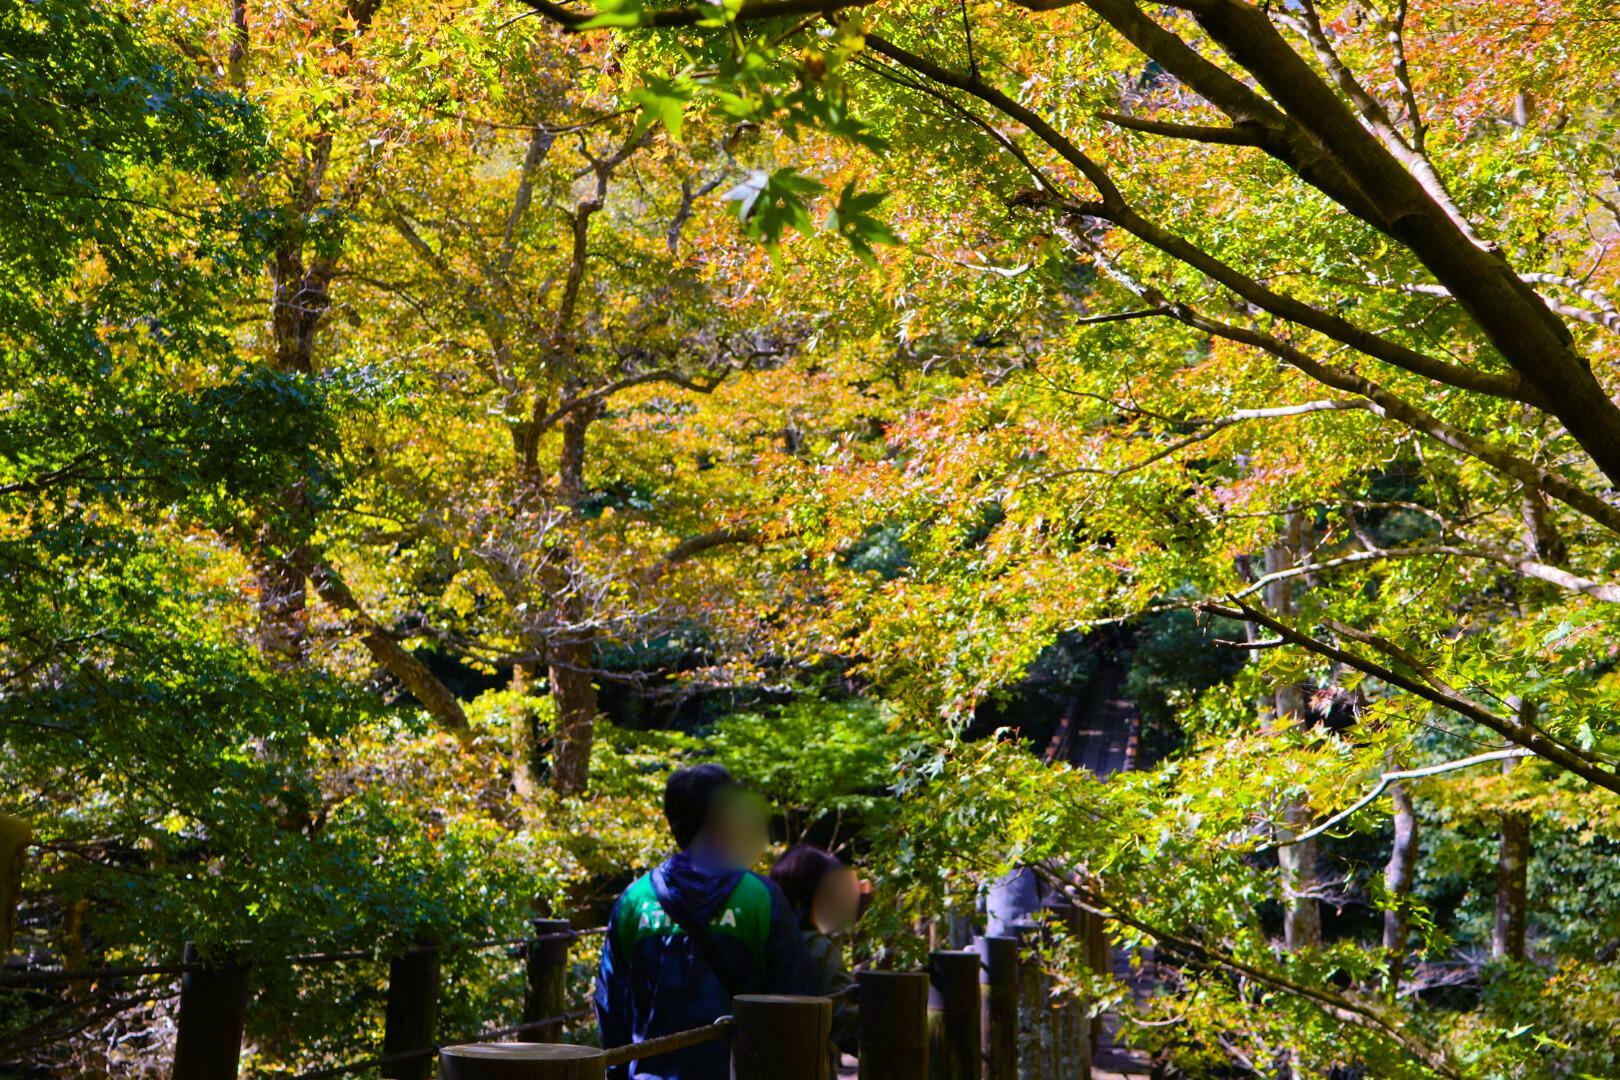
<point x="697" y="930"/>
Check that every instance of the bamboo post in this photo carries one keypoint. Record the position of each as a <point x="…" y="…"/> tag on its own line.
<point x="520" y="1061"/>
<point x="998" y="976"/>
<point x="894" y="1025"/>
<point x="776" y="1037"/>
<point x="953" y="1015"/>
<point x="413" y="1011"/>
<point x="545" y="985"/>
<point x="213" y="1013"/>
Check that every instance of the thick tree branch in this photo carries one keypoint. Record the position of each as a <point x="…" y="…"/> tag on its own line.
<point x="1236" y="135"/>
<point x="600" y="394"/>
<point x="1512" y="729"/>
<point x="694" y="546"/>
<point x="1376" y="117"/>
<point x="1385" y="403"/>
<point x="433" y="695"/>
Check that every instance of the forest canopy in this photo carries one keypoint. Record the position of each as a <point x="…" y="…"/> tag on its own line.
<point x="424" y="425"/>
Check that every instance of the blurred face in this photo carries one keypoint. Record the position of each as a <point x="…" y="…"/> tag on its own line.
<point x="837" y="902"/>
<point x="738" y="827"/>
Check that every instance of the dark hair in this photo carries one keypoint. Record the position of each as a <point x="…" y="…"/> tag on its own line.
<point x="798" y="874"/>
<point x="689" y="796"/>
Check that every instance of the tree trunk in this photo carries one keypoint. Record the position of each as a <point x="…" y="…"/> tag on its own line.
<point x="283" y="621"/>
<point x="15" y="836"/>
<point x="1512" y="888"/>
<point x="1513" y="872"/>
<point x="299" y="302"/>
<point x="1398" y="876"/>
<point x="1302" y="914"/>
<point x="574" y="695"/>
<point x="571" y="658"/>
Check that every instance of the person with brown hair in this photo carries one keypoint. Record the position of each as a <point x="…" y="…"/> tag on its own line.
<point x="825" y="897"/>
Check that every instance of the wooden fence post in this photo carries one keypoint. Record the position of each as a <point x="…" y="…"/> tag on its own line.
<point x="520" y="1061"/>
<point x="1034" y="1008"/>
<point x="894" y="1025"/>
<point x="775" y="1037"/>
<point x="1074" y="1017"/>
<point x="545" y="978"/>
<point x="998" y="974"/>
<point x="953" y="1015"/>
<point x="413" y="1011"/>
<point x="213" y="1012"/>
<point x="14" y="839"/>
<point x="1099" y="952"/>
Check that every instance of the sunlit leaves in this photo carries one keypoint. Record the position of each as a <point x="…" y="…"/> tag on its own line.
<point x="852" y="218"/>
<point x="770" y="203"/>
<point x="663" y="102"/>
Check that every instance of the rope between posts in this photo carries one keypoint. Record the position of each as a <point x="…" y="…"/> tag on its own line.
<point x="664" y="1044"/>
<point x="50" y="978"/>
<point x="23" y="979"/>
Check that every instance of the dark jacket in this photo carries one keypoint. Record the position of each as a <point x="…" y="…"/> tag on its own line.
<point x="829" y="976"/>
<point x="654" y="979"/>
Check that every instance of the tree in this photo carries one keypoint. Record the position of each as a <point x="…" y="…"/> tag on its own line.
<point x="1256" y="260"/>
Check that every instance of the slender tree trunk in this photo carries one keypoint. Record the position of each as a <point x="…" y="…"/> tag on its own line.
<point x="1398" y="876"/>
<point x="299" y="302"/>
<point x="1512" y="891"/>
<point x="15" y="836"/>
<point x="1513" y="872"/>
<point x="1302" y="912"/>
<point x="572" y="658"/>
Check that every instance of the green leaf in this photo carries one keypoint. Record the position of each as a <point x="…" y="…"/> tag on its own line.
<point x="662" y="102"/>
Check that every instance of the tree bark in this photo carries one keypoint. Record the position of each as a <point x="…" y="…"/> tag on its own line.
<point x="1512" y="888"/>
<point x="282" y="605"/>
<point x="1398" y="875"/>
<point x="570" y="660"/>
<point x="1302" y="914"/>
<point x="574" y="694"/>
<point x="1513" y="873"/>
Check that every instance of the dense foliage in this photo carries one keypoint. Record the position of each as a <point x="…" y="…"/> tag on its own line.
<point x="425" y="424"/>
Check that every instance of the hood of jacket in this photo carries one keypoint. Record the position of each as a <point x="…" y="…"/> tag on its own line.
<point x="699" y="885"/>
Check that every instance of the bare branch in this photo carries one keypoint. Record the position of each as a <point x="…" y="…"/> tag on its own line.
<point x="1389" y="778"/>
<point x="1210" y="429"/>
<point x="751" y="10"/>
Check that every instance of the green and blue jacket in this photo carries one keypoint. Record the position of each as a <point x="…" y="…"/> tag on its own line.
<point x="655" y="980"/>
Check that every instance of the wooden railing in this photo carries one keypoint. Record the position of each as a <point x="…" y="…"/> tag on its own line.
<point x="215" y="990"/>
<point x="987" y="1012"/>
